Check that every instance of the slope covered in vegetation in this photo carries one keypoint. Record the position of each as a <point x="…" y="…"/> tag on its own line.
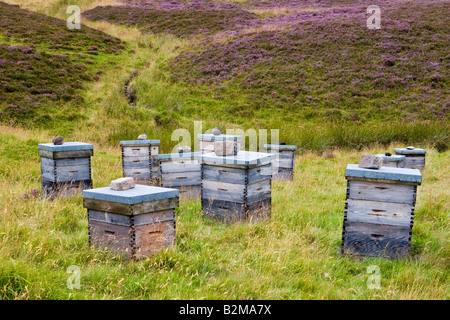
<point x="44" y="65"/>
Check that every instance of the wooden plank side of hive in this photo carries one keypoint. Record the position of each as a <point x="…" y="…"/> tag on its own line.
<point x="381" y="191"/>
<point x="376" y="240"/>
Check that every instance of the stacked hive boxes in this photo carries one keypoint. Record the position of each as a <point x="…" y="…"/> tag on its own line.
<point x="136" y="222"/>
<point x="236" y="188"/>
<point x="283" y="166"/>
<point x="65" y="168"/>
<point x="183" y="172"/>
<point x="206" y="141"/>
<point x="139" y="161"/>
<point x="379" y="210"/>
<point x="414" y="157"/>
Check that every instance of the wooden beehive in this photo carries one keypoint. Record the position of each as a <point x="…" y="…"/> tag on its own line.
<point x="137" y="222"/>
<point x="181" y="171"/>
<point x="284" y="163"/>
<point x="379" y="211"/>
<point x="206" y="141"/>
<point x="140" y="162"/>
<point x="394" y="161"/>
<point x="414" y="158"/>
<point x="66" y="168"/>
<point x="236" y="188"/>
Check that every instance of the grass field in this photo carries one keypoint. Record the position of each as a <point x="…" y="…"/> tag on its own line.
<point x="153" y="83"/>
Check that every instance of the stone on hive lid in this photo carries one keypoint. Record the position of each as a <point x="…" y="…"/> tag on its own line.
<point x="184" y="149"/>
<point x="216" y="131"/>
<point x="226" y="148"/>
<point x="142" y="137"/>
<point x="370" y="161"/>
<point x="410" y="148"/>
<point x="58" y="141"/>
<point x="122" y="184"/>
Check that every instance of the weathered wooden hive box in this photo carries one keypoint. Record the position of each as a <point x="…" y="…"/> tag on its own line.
<point x="66" y="168"/>
<point x="206" y="141"/>
<point x="137" y="222"/>
<point x="283" y="165"/>
<point x="140" y="162"/>
<point x="379" y="211"/>
<point x="236" y="188"/>
<point x="182" y="171"/>
<point x="414" y="157"/>
<point x="394" y="161"/>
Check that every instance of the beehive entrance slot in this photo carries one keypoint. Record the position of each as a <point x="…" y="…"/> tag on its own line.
<point x="110" y="234"/>
<point x="376" y="236"/>
<point x="381" y="188"/>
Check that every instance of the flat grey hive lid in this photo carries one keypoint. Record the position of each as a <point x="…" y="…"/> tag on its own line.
<point x="394" y="157"/>
<point x="410" y="151"/>
<point x="138" y="142"/>
<point x="179" y="156"/>
<point x="212" y="137"/>
<point x="384" y="173"/>
<point x="138" y="194"/>
<point x="280" y="146"/>
<point x="66" y="146"/>
<point x="245" y="158"/>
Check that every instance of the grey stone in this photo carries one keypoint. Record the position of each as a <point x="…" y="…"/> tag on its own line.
<point x="142" y="137"/>
<point x="122" y="184"/>
<point x="184" y="149"/>
<point x="226" y="148"/>
<point x="370" y="161"/>
<point x="216" y="131"/>
<point x="410" y="148"/>
<point x="58" y="141"/>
